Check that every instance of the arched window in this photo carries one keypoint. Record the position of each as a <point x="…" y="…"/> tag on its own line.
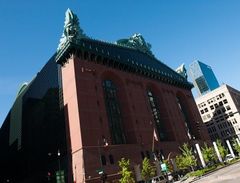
<point x="156" y="115"/>
<point x="183" y="110"/>
<point x="113" y="112"/>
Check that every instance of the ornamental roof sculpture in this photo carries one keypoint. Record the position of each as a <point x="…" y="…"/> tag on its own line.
<point x="138" y="42"/>
<point x="71" y="30"/>
<point x="133" y="54"/>
<point x="182" y="71"/>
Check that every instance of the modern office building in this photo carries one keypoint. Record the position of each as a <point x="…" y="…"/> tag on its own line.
<point x="96" y="102"/>
<point x="219" y="110"/>
<point x="34" y="130"/>
<point x="203" y="77"/>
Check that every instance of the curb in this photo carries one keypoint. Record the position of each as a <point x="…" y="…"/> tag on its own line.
<point x="212" y="171"/>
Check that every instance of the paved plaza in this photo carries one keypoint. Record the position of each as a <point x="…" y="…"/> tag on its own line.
<point x="230" y="174"/>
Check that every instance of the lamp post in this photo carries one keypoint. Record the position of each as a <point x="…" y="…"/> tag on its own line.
<point x="103" y="175"/>
<point x="99" y="154"/>
<point x="59" y="174"/>
<point x="59" y="154"/>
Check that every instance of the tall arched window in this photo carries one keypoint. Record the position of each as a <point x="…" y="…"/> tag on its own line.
<point x="183" y="110"/>
<point x="113" y="112"/>
<point x="156" y="115"/>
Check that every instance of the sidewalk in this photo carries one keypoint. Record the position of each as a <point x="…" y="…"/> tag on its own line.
<point x="188" y="180"/>
<point x="193" y="179"/>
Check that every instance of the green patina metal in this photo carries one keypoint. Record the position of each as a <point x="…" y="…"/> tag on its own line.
<point x="71" y="30"/>
<point x="22" y="88"/>
<point x="182" y="71"/>
<point x="138" y="42"/>
<point x="133" y="54"/>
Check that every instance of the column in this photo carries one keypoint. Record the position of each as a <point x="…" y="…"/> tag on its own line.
<point x="230" y="148"/>
<point x="200" y="155"/>
<point x="217" y="152"/>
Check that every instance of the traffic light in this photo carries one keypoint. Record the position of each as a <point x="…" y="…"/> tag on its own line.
<point x="60" y="177"/>
<point x="49" y="176"/>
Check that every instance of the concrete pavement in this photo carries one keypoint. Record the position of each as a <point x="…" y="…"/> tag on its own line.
<point x="229" y="174"/>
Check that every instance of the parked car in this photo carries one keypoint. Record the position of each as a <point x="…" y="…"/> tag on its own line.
<point x="158" y="179"/>
<point x="228" y="158"/>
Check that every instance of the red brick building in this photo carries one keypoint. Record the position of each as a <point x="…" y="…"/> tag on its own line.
<point x="116" y="94"/>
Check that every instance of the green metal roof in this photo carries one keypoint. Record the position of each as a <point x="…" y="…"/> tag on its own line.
<point x="128" y="58"/>
<point x="133" y="54"/>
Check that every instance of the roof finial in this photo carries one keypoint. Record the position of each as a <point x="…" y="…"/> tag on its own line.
<point x="72" y="30"/>
<point x="182" y="71"/>
<point x="138" y="42"/>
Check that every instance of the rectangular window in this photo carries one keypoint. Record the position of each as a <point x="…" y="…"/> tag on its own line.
<point x="219" y="112"/>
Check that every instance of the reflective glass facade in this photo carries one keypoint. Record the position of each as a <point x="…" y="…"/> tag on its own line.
<point x="34" y="131"/>
<point x="203" y="77"/>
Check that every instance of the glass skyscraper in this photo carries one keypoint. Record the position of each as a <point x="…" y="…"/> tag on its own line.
<point x="34" y="130"/>
<point x="203" y="77"/>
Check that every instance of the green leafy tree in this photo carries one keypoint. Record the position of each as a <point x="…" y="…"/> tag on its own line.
<point x="236" y="146"/>
<point x="148" y="171"/>
<point x="186" y="159"/>
<point x="125" y="172"/>
<point x="209" y="154"/>
<point x="180" y="162"/>
<point x="222" y="150"/>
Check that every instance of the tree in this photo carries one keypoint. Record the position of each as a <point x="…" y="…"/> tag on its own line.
<point x="222" y="150"/>
<point x="236" y="146"/>
<point x="180" y="162"/>
<point x="209" y="154"/>
<point x="148" y="171"/>
<point x="186" y="159"/>
<point x="125" y="172"/>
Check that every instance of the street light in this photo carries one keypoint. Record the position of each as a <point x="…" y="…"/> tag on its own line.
<point x="59" y="173"/>
<point x="59" y="154"/>
<point x="103" y="175"/>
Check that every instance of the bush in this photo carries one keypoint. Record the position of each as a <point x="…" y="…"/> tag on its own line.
<point x="186" y="160"/>
<point x="148" y="171"/>
<point x="125" y="172"/>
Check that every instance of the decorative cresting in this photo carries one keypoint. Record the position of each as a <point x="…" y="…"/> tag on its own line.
<point x="182" y="71"/>
<point x="133" y="54"/>
<point x="137" y="42"/>
<point x="72" y="30"/>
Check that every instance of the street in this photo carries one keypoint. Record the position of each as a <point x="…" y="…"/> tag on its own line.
<point x="230" y="174"/>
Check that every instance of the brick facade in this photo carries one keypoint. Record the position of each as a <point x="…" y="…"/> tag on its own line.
<point x="88" y="121"/>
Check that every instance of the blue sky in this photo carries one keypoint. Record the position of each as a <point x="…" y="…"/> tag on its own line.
<point x="179" y="31"/>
